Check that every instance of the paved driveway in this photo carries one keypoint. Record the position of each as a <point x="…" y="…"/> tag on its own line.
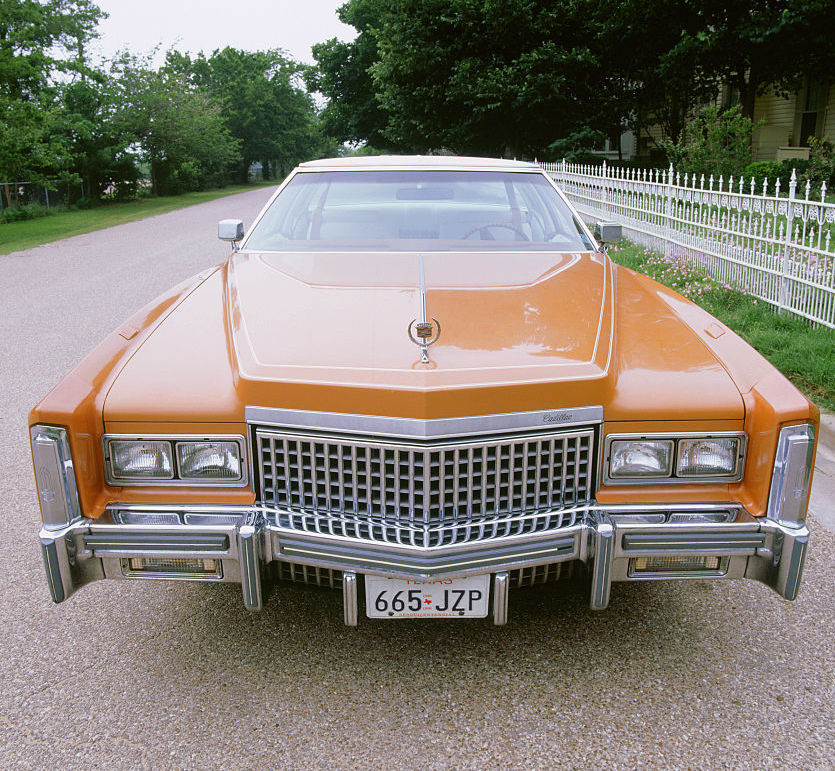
<point x="145" y="674"/>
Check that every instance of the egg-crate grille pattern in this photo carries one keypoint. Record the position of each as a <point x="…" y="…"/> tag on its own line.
<point x="541" y="574"/>
<point x="425" y="495"/>
<point x="308" y="574"/>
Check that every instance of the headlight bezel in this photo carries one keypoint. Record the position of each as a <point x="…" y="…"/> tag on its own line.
<point x="672" y="478"/>
<point x="175" y="441"/>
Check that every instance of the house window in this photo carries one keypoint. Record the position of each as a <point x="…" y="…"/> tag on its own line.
<point x="809" y="116"/>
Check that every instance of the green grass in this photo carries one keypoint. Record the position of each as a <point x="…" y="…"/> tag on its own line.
<point x="804" y="353"/>
<point x="15" y="236"/>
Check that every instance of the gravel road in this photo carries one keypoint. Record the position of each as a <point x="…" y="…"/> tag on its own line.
<point x="157" y="675"/>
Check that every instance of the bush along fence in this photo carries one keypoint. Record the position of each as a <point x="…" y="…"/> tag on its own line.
<point x="20" y="200"/>
<point x="778" y="248"/>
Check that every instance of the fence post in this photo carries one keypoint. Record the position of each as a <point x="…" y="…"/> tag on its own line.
<point x="605" y="203"/>
<point x="782" y="295"/>
<point x="46" y="196"/>
<point x="668" y="204"/>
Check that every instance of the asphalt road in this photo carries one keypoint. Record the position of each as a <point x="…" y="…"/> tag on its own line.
<point x="157" y="675"/>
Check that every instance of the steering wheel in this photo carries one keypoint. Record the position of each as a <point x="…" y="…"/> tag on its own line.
<point x="485" y="230"/>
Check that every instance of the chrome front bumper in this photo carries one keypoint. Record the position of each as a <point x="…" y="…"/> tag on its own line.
<point x="245" y="540"/>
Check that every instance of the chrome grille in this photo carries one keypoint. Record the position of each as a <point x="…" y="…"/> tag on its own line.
<point x="541" y="574"/>
<point x="307" y="574"/>
<point x="425" y="495"/>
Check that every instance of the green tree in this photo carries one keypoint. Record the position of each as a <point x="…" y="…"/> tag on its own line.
<point x="343" y="76"/>
<point x="178" y="129"/>
<point x="264" y="104"/>
<point x="641" y="83"/>
<point x="38" y="40"/>
<point x="486" y="77"/>
<point x="753" y="45"/>
<point x="481" y="75"/>
<point x="97" y="140"/>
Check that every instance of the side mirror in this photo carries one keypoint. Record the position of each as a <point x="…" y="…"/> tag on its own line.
<point x="230" y="230"/>
<point x="608" y="232"/>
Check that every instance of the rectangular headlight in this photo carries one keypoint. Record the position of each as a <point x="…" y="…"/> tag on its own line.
<point x="674" y="458"/>
<point x="209" y="460"/>
<point x="792" y="473"/>
<point x="133" y="460"/>
<point x="707" y="457"/>
<point x="54" y="476"/>
<point x="179" y="460"/>
<point x="641" y="458"/>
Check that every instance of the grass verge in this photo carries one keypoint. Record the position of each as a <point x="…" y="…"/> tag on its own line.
<point x="15" y="236"/>
<point x="804" y="353"/>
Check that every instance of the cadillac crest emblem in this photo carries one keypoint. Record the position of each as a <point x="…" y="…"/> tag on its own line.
<point x="423" y="334"/>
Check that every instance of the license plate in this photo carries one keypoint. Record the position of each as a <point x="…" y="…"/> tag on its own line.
<point x="432" y="598"/>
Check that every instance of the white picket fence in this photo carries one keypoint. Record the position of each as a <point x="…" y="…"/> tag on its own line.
<point x="776" y="248"/>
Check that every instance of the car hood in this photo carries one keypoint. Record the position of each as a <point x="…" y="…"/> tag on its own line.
<point x="329" y="332"/>
<point x="344" y="318"/>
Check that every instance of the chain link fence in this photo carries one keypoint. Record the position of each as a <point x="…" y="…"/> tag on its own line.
<point x="29" y="196"/>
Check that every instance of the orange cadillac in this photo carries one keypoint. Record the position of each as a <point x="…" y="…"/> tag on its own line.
<point x="423" y="381"/>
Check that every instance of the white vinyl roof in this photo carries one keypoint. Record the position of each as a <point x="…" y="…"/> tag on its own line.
<point x="416" y="161"/>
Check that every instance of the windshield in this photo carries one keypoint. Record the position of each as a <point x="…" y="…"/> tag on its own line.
<point x="418" y="210"/>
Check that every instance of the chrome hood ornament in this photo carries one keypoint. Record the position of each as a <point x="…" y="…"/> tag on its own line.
<point x="426" y="331"/>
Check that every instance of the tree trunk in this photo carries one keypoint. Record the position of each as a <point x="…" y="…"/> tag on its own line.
<point x="747" y="92"/>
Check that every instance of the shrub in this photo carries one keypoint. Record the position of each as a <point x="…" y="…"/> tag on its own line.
<point x="30" y="211"/>
<point x="821" y="165"/>
<point x="761" y="171"/>
<point x="798" y="166"/>
<point x="715" y="142"/>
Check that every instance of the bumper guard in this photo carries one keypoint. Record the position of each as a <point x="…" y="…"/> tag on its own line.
<point x="609" y="540"/>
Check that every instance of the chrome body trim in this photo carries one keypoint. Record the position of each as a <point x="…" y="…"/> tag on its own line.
<point x="501" y="585"/>
<point x="601" y="576"/>
<point x="413" y="428"/>
<point x="247" y="538"/>
<point x="52" y="567"/>
<point x="431" y="562"/>
<point x="126" y="544"/>
<point x="350" y="604"/>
